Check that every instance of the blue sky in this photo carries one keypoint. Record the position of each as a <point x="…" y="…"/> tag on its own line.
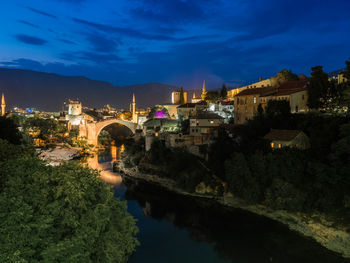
<point x="174" y="42"/>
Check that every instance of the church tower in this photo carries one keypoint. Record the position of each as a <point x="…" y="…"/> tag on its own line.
<point x="3" y="105"/>
<point x="134" y="116"/>
<point x="204" y="92"/>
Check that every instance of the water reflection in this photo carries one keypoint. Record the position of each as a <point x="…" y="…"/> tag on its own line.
<point x="103" y="162"/>
<point x="178" y="229"/>
<point x="236" y="236"/>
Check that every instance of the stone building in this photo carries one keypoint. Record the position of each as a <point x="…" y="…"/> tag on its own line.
<point x="204" y="126"/>
<point x="287" y="138"/>
<point x="270" y="82"/>
<point x="247" y="101"/>
<point x="176" y="97"/>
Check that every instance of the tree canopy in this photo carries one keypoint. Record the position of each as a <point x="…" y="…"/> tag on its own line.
<point x="59" y="214"/>
<point x="317" y="88"/>
<point x="223" y="91"/>
<point x="286" y="75"/>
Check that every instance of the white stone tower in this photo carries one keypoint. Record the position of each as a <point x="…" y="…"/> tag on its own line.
<point x="134" y="116"/>
<point x="3" y="105"/>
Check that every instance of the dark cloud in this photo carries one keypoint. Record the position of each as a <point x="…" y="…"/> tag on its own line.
<point x="134" y="33"/>
<point x="96" y="58"/>
<point x="30" y="40"/>
<point x="28" y="23"/>
<point x="41" y="12"/>
<point x="120" y="30"/>
<point x="101" y="43"/>
<point x="72" y="1"/>
<point x="66" y="41"/>
<point x="171" y="11"/>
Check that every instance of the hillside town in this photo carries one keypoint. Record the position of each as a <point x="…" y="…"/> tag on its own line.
<point x="190" y="122"/>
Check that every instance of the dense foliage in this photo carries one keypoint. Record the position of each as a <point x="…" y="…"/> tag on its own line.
<point x="104" y="138"/>
<point x="327" y="94"/>
<point x="316" y="179"/>
<point x="9" y="130"/>
<point x="59" y="214"/>
<point x="177" y="164"/>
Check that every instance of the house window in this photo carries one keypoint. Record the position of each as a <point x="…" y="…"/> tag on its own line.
<point x="212" y="121"/>
<point x="254" y="100"/>
<point x="303" y="97"/>
<point x="279" y="145"/>
<point x="272" y="144"/>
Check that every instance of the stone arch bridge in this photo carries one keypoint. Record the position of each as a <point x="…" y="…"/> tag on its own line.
<point x="91" y="130"/>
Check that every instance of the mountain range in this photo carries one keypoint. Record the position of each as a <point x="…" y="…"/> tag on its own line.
<point x="47" y="91"/>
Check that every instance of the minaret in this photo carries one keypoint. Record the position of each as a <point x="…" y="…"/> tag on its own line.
<point x="204" y="92"/>
<point x="134" y="116"/>
<point x="3" y="105"/>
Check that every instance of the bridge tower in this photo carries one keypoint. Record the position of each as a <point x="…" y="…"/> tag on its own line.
<point x="134" y="115"/>
<point x="3" y="105"/>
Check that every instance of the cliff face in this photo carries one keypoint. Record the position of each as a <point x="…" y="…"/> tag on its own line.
<point x="318" y="227"/>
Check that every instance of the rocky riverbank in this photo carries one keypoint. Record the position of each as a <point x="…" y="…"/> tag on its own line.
<point x="317" y="227"/>
<point x="59" y="155"/>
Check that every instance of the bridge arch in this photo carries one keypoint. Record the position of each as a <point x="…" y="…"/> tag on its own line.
<point x="95" y="128"/>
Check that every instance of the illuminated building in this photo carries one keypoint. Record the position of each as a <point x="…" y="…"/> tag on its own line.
<point x="204" y="91"/>
<point x="195" y="99"/>
<point x="287" y="138"/>
<point x="3" y="105"/>
<point x="176" y="97"/>
<point x="247" y="101"/>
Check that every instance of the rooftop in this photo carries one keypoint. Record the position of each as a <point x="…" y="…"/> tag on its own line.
<point x="282" y="135"/>
<point x="206" y="115"/>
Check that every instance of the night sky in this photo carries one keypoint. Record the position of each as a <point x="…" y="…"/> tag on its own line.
<point x="174" y="42"/>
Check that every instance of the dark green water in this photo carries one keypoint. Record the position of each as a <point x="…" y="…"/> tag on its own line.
<point x="178" y="229"/>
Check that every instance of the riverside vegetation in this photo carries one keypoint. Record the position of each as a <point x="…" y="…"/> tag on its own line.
<point x="57" y="214"/>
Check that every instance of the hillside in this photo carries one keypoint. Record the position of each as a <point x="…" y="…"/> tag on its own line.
<point x="47" y="91"/>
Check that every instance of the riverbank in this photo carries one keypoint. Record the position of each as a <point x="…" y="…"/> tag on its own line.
<point x="317" y="227"/>
<point x="59" y="154"/>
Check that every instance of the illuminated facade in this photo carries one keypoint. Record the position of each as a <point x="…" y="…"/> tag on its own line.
<point x="3" y="105"/>
<point x="247" y="101"/>
<point x="176" y="97"/>
<point x="287" y="138"/>
<point x="270" y="82"/>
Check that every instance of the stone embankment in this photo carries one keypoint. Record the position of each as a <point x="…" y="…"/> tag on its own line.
<point x="59" y="155"/>
<point x="317" y="227"/>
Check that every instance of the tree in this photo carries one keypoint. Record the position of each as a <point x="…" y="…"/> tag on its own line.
<point x="345" y="87"/>
<point x="260" y="110"/>
<point x="286" y="75"/>
<point x="211" y="96"/>
<point x="104" y="138"/>
<point x="318" y="88"/>
<point x="347" y="71"/>
<point x="277" y="108"/>
<point x="9" y="131"/>
<point x="223" y="91"/>
<point x="182" y="96"/>
<point x="160" y="111"/>
<point x="59" y="214"/>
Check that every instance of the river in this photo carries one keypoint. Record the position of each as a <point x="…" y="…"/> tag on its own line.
<point x="177" y="229"/>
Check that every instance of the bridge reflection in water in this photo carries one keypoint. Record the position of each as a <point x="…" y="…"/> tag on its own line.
<point x="103" y="162"/>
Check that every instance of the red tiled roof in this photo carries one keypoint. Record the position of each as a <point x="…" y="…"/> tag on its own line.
<point x="286" y="88"/>
<point x="282" y="135"/>
<point x="250" y="92"/>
